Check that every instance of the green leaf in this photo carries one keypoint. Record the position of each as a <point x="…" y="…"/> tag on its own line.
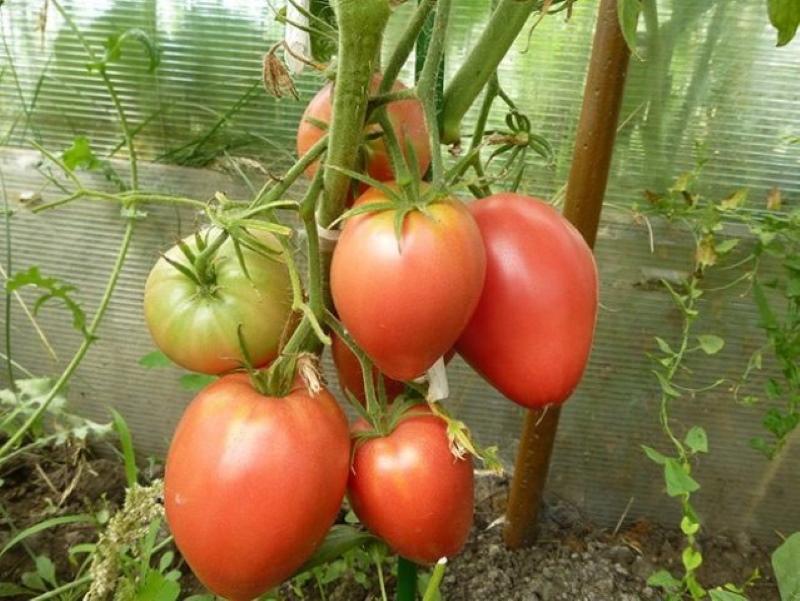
<point x="654" y="455"/>
<point x="114" y="44"/>
<point x="166" y="561"/>
<point x="33" y="581"/>
<point x="768" y="319"/>
<point x="720" y="594"/>
<point x="664" y="346"/>
<point x="46" y="569"/>
<point x="692" y="559"/>
<point x="666" y="387"/>
<point x="735" y="200"/>
<point x="689" y="525"/>
<point x="53" y="288"/>
<point x="157" y="587"/>
<point x="9" y="589"/>
<point x="340" y="539"/>
<point x="45" y="525"/>
<point x="697" y="440"/>
<point x="786" y="566"/>
<point x="126" y="442"/>
<point x="785" y="17"/>
<point x="678" y="481"/>
<point x="710" y="343"/>
<point x="726" y="246"/>
<point x="663" y="579"/>
<point x="196" y="381"/>
<point x="154" y="359"/>
<point x="81" y="156"/>
<point x="628" y="13"/>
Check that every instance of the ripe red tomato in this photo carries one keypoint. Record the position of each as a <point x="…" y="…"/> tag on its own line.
<point x="410" y="490"/>
<point x="531" y="334"/>
<point x="407" y="119"/>
<point x="406" y="302"/>
<point x="196" y="326"/>
<point x="349" y="371"/>
<point x="253" y="483"/>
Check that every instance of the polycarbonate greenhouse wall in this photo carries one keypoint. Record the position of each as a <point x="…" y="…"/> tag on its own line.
<point x="713" y="85"/>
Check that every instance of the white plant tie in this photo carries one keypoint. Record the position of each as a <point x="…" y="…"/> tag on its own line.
<point x="327" y="238"/>
<point x="438" y="387"/>
<point x="297" y="40"/>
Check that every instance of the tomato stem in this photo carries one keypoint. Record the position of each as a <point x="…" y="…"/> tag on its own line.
<point x="406" y="44"/>
<point x="316" y="299"/>
<point x="504" y="25"/>
<point x="361" y="24"/>
<point x="426" y="87"/>
<point x="269" y="194"/>
<point x="202" y="264"/>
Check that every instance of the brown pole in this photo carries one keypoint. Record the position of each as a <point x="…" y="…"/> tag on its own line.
<point x="591" y="160"/>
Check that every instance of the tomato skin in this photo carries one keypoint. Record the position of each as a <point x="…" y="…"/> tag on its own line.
<point x="406" y="116"/>
<point x="406" y="303"/>
<point x="253" y="483"/>
<point x="349" y="371"/>
<point x="411" y="491"/>
<point x="198" y="329"/>
<point x="531" y="334"/>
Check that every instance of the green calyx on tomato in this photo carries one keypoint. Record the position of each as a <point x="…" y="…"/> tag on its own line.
<point x="208" y="296"/>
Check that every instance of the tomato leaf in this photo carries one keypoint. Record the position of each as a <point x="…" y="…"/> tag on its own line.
<point x="785" y="17"/>
<point x="154" y="359"/>
<point x="692" y="559"/>
<point x="53" y="289"/>
<point x="340" y="540"/>
<point x="678" y="481"/>
<point x="628" y="13"/>
<point x="196" y="382"/>
<point x="786" y="565"/>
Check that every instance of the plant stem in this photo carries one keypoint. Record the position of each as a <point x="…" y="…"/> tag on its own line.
<point x="504" y="25"/>
<point x="81" y="352"/>
<point x="405" y="45"/>
<point x="7" y="222"/>
<point x="267" y="194"/>
<point x="406" y="580"/>
<point x="427" y="87"/>
<point x="63" y="588"/>
<point x="316" y="298"/>
<point x="436" y="580"/>
<point x="201" y="263"/>
<point x="361" y="24"/>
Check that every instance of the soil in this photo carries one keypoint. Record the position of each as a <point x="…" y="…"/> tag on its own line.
<point x="64" y="480"/>
<point x="573" y="560"/>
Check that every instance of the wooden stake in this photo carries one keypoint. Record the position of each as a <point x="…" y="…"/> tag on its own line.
<point x="594" y="144"/>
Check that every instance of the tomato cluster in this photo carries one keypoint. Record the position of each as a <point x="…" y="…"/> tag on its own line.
<point x="259" y="474"/>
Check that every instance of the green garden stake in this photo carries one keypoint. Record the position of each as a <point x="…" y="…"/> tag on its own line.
<point x="406" y="580"/>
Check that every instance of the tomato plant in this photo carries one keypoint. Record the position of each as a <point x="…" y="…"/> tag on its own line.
<point x="409" y="489"/>
<point x="350" y="376"/>
<point x="531" y="334"/>
<point x="405" y="293"/>
<point x="253" y="483"/>
<point x="194" y="313"/>
<point x="405" y="117"/>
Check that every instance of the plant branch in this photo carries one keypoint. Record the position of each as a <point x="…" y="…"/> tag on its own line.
<point x="405" y="45"/>
<point x="426" y="86"/>
<point x="504" y="25"/>
<point x="81" y="352"/>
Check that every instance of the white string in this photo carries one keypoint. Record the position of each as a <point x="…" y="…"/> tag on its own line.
<point x="327" y="238"/>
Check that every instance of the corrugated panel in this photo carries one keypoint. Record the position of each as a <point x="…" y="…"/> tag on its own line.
<point x="598" y="461"/>
<point x="729" y="89"/>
